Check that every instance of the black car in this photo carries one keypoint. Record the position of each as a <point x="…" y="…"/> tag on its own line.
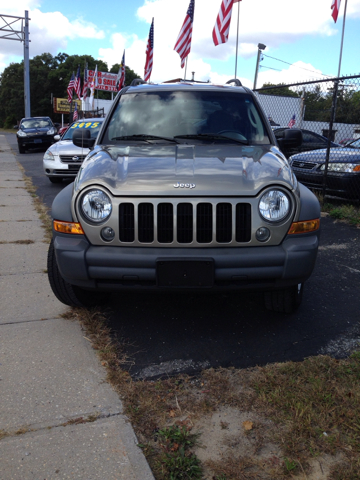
<point x="35" y="132"/>
<point x="343" y="174"/>
<point x="311" y="141"/>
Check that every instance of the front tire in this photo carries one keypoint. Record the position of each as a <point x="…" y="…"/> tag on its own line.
<point x="65" y="292"/>
<point x="286" y="300"/>
<point x="55" y="179"/>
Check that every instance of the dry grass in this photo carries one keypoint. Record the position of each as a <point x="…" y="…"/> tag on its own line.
<point x="307" y="412"/>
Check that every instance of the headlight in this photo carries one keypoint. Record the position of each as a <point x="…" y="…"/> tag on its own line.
<point x="49" y="156"/>
<point x="274" y="205"/>
<point x="21" y="133"/>
<point x="96" y="206"/>
<point x="51" y="131"/>
<point x="342" y="167"/>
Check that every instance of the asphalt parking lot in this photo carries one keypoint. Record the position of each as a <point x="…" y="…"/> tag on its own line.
<point x="166" y="334"/>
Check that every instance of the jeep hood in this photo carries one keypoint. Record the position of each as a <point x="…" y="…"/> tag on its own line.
<point x="181" y="170"/>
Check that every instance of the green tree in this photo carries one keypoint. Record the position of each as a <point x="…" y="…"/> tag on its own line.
<point x="279" y="90"/>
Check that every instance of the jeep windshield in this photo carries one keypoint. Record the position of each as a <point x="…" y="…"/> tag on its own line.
<point x="196" y="116"/>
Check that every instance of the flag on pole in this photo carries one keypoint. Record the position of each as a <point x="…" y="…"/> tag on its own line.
<point x="77" y="84"/>
<point x="85" y="84"/>
<point x="222" y="25"/>
<point x="93" y="85"/>
<point x="149" y="53"/>
<point x="335" y="7"/>
<point x="292" y="121"/>
<point x="120" y="79"/>
<point x="70" y="88"/>
<point x="75" y="114"/>
<point x="183" y="42"/>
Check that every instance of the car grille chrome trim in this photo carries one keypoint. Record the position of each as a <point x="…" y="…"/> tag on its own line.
<point x="69" y="158"/>
<point x="303" y="165"/>
<point x="185" y="222"/>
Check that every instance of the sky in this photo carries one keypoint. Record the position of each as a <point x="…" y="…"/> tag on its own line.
<point x="302" y="40"/>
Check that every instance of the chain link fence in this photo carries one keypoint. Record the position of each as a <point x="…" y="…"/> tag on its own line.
<point x="328" y="113"/>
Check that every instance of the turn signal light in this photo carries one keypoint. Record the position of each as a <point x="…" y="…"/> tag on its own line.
<point x="68" y="227"/>
<point x="304" y="227"/>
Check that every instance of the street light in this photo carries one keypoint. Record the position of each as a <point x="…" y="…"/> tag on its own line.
<point x="261" y="47"/>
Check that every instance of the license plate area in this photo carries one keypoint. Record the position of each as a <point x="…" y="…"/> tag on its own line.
<point x="37" y="140"/>
<point x="185" y="273"/>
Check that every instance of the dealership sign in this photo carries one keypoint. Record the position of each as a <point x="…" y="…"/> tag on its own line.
<point x="106" y="81"/>
<point x="61" y="105"/>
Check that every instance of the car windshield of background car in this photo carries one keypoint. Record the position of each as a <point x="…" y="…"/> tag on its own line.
<point x="355" y="144"/>
<point x="171" y="114"/>
<point x="94" y="128"/>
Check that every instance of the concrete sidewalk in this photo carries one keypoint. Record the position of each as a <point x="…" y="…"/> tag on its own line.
<point x="49" y="374"/>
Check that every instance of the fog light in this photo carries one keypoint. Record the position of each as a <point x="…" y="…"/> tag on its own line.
<point x="262" y="234"/>
<point x="107" y="234"/>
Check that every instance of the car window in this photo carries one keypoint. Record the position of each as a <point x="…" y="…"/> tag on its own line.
<point x="355" y="144"/>
<point x="309" y="138"/>
<point x="92" y="126"/>
<point x="171" y="114"/>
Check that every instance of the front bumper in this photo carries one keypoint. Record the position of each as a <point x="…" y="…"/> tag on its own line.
<point x="43" y="141"/>
<point x="122" y="268"/>
<point x="345" y="185"/>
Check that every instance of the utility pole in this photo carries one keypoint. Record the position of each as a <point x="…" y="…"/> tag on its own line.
<point x="8" y="32"/>
<point x="261" y="47"/>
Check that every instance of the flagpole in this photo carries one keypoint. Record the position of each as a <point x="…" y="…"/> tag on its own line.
<point x="342" y="39"/>
<point x="185" y="67"/>
<point x="237" y="38"/>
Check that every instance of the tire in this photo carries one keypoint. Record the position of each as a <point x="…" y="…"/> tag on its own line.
<point x="286" y="300"/>
<point x="55" y="179"/>
<point x="65" y="292"/>
<point x="21" y="148"/>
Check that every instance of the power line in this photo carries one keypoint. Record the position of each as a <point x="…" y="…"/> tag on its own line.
<point x="302" y="68"/>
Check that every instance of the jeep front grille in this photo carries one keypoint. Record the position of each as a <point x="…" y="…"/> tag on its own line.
<point x="184" y="222"/>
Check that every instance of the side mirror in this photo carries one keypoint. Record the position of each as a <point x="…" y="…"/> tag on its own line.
<point x="57" y="137"/>
<point x="82" y="138"/>
<point x="16" y="127"/>
<point x="291" y="138"/>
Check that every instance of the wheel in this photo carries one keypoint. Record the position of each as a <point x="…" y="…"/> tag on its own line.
<point x="21" y="148"/>
<point x="55" y="179"/>
<point x="65" y="292"/>
<point x="286" y="300"/>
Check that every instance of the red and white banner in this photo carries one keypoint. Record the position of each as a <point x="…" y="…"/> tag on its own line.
<point x="106" y="81"/>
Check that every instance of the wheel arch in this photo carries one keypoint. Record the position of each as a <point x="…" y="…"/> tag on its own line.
<point x="61" y="207"/>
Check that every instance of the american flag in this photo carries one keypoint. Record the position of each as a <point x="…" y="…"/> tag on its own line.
<point x="335" y="7"/>
<point x="75" y="114"/>
<point x="292" y="121"/>
<point x="222" y="25"/>
<point x="70" y="87"/>
<point x="149" y="53"/>
<point x="120" y="79"/>
<point x="85" y="85"/>
<point x="183" y="42"/>
<point x="77" y="84"/>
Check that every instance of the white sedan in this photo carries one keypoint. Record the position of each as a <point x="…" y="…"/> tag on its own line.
<point x="63" y="159"/>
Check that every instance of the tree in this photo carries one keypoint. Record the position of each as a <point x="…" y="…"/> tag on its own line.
<point x="280" y="90"/>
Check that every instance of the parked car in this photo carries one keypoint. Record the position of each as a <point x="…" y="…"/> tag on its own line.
<point x="62" y="130"/>
<point x="185" y="189"/>
<point x="343" y="175"/>
<point x="35" y="132"/>
<point x="311" y="141"/>
<point x="63" y="159"/>
<point x="345" y="141"/>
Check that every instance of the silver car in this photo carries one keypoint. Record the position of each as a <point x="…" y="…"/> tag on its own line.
<point x="185" y="189"/>
<point x="63" y="159"/>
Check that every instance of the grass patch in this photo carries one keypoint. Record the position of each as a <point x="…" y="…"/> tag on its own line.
<point x="340" y="210"/>
<point x="313" y="408"/>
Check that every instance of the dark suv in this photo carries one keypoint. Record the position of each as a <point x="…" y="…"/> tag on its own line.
<point x="35" y="132"/>
<point x="185" y="189"/>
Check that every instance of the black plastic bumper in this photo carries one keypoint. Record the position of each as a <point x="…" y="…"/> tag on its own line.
<point x="113" y="268"/>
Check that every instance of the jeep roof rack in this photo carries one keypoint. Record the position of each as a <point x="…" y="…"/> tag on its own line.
<point x="236" y="81"/>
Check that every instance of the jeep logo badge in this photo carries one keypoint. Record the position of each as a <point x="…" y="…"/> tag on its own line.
<point x="184" y="185"/>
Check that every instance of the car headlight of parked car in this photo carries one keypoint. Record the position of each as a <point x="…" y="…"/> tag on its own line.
<point x="49" y="156"/>
<point x="342" y="167"/>
<point x="96" y="206"/>
<point x="21" y="133"/>
<point x="51" y="131"/>
<point x="274" y="205"/>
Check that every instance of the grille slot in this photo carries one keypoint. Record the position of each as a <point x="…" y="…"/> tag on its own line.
<point x="69" y="158"/>
<point x="303" y="165"/>
<point x="185" y="223"/>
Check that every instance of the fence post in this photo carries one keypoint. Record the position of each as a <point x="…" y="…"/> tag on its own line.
<point x="332" y="118"/>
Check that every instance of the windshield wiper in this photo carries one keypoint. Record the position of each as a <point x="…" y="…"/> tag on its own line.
<point x="145" y="137"/>
<point x="213" y="136"/>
